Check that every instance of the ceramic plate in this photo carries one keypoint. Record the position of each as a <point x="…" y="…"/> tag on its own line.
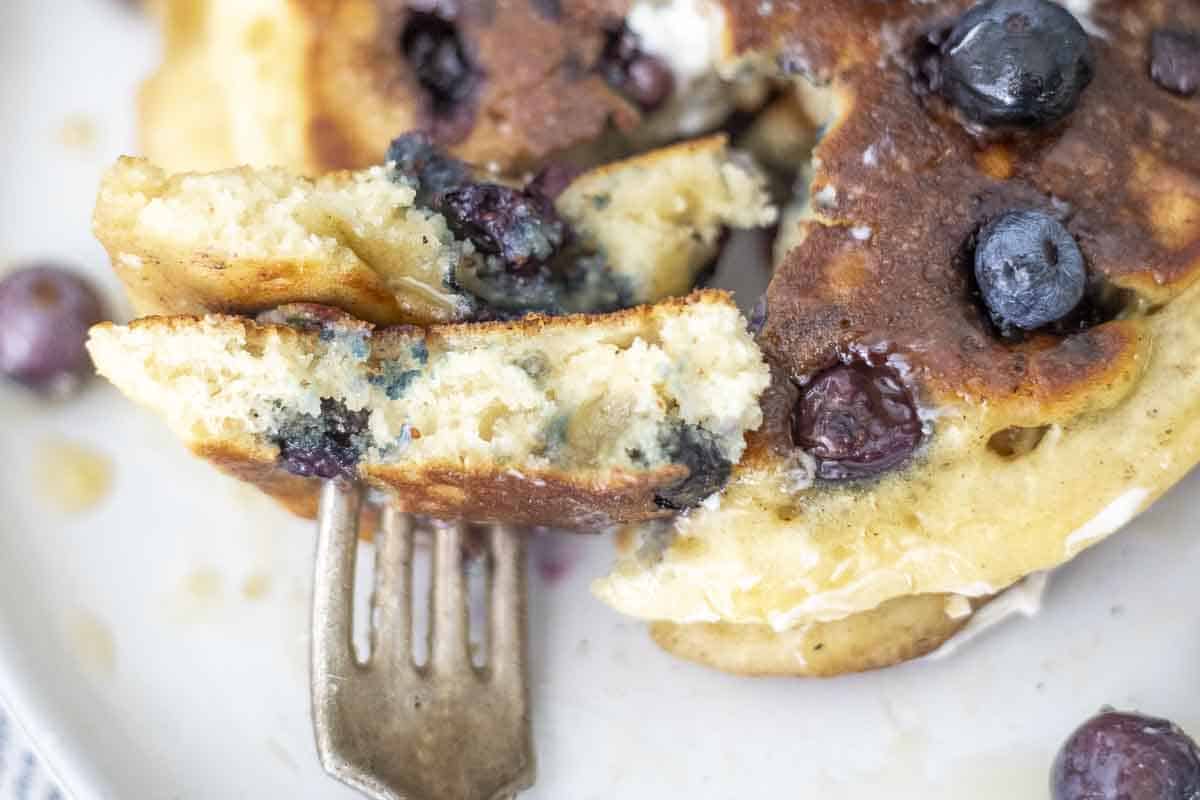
<point x="153" y="614"/>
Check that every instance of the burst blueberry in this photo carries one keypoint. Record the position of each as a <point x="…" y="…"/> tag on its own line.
<point x="45" y="313"/>
<point x="1029" y="269"/>
<point x="1126" y="756"/>
<point x="415" y="156"/>
<point x="1014" y="62"/>
<point x="857" y="421"/>
<point x="708" y="468"/>
<point x="520" y="227"/>
<point x="326" y="445"/>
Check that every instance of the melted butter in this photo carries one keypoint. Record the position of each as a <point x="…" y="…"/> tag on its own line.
<point x="79" y="133"/>
<point x="198" y="596"/>
<point x="256" y="586"/>
<point x="72" y="477"/>
<point x="91" y="641"/>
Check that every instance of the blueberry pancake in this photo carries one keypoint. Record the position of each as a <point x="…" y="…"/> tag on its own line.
<point x="425" y="239"/>
<point x="569" y="421"/>
<point x="315" y="85"/>
<point x="984" y="336"/>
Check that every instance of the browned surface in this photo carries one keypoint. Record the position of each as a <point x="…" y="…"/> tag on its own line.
<point x="550" y="496"/>
<point x="539" y="92"/>
<point x="1125" y="165"/>
<point x="899" y="630"/>
<point x="1126" y="162"/>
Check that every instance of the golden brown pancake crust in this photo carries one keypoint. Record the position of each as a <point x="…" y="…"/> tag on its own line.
<point x="546" y="496"/>
<point x="900" y="186"/>
<point x="348" y="89"/>
<point x="900" y="169"/>
<point x="899" y="630"/>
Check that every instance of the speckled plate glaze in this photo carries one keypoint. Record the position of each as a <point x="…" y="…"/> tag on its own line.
<point x="153" y="640"/>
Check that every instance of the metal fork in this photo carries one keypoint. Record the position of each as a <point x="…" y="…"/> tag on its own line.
<point x="447" y="730"/>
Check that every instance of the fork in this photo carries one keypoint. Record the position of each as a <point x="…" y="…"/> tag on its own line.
<point x="446" y="730"/>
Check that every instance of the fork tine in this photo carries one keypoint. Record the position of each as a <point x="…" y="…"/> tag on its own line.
<point x="507" y="605"/>
<point x="448" y="649"/>
<point x="391" y="629"/>
<point x="333" y="584"/>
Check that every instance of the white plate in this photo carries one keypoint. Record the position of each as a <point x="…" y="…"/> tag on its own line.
<point x="155" y="645"/>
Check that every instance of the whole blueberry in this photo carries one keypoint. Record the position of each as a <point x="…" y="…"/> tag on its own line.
<point x="856" y="420"/>
<point x="1175" y="61"/>
<point x="1015" y="62"/>
<point x="1029" y="269"/>
<point x="1126" y="756"/>
<point x="439" y="59"/>
<point x="649" y="81"/>
<point x="45" y="313"/>
<point x="644" y="78"/>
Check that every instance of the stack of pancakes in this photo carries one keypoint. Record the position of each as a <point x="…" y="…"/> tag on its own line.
<point x="1021" y="448"/>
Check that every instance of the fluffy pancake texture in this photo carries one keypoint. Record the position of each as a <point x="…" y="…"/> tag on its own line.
<point x="246" y="240"/>
<point x="566" y="421"/>
<point x="1034" y="447"/>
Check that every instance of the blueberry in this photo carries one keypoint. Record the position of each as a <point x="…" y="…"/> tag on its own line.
<point x="1175" y="61"/>
<point x="438" y="57"/>
<point x="415" y="156"/>
<point x="1029" y="269"/>
<point x="1126" y="756"/>
<point x="856" y="420"/>
<point x="328" y="445"/>
<point x="550" y="9"/>
<point x="553" y="179"/>
<point x="45" y="313"/>
<point x="758" y="316"/>
<point x="650" y="81"/>
<point x="520" y="227"/>
<point x="644" y="78"/>
<point x="708" y="468"/>
<point x="1014" y="62"/>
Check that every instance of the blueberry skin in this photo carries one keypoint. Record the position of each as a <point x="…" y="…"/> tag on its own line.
<point x="645" y="79"/>
<point x="1175" y="61"/>
<point x="519" y="226"/>
<point x="1016" y="62"/>
<point x="708" y="468"/>
<point x="857" y="421"/>
<point x="45" y="313"/>
<point x="328" y="445"/>
<point x="1126" y="756"/>
<point x="441" y="63"/>
<point x="1029" y="270"/>
<point x="415" y="156"/>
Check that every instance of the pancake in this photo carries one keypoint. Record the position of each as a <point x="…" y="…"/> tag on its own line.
<point x="573" y="421"/>
<point x="1031" y="445"/>
<point x="376" y="244"/>
<point x="318" y="86"/>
